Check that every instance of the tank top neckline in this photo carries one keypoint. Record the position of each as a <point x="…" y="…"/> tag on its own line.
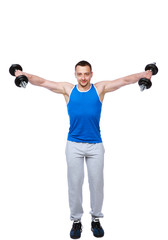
<point x="84" y="91"/>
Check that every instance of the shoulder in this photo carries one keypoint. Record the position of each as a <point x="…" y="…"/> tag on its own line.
<point x="100" y="87"/>
<point x="68" y="87"/>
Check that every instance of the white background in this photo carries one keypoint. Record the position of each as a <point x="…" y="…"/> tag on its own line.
<point x="48" y="38"/>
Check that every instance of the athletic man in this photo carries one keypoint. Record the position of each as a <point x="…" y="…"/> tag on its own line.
<point x="84" y="103"/>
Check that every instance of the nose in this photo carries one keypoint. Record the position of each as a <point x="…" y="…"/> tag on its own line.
<point x="83" y="77"/>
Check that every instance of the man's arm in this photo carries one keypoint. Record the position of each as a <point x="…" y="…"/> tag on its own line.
<point x="110" y="86"/>
<point x="57" y="87"/>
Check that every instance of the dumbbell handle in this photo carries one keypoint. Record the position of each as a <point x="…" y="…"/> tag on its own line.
<point x="142" y="87"/>
<point x="23" y="84"/>
<point x="154" y="63"/>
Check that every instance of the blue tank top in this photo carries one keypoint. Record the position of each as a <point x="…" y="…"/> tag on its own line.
<point x="84" y="109"/>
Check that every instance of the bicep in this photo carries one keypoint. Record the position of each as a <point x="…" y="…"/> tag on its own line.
<point x="57" y="87"/>
<point x="110" y="86"/>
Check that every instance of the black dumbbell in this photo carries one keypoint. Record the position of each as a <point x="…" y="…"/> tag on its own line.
<point x="146" y="83"/>
<point x="20" y="81"/>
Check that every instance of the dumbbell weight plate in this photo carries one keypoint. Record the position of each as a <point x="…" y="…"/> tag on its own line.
<point x="145" y="82"/>
<point x="13" y="68"/>
<point x="152" y="67"/>
<point x="21" y="79"/>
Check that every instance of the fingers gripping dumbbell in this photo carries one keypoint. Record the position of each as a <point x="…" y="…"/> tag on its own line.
<point x="146" y="83"/>
<point x="20" y="81"/>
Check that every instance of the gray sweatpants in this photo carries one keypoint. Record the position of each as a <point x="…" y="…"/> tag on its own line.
<point x="93" y="154"/>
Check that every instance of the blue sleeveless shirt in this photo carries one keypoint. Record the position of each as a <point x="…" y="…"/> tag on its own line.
<point x="84" y="110"/>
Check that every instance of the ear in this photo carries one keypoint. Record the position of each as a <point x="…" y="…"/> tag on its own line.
<point x="91" y="74"/>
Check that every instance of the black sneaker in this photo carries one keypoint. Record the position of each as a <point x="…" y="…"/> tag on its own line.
<point x="97" y="228"/>
<point x="76" y="230"/>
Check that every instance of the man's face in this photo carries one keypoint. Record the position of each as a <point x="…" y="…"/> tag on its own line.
<point x="83" y="75"/>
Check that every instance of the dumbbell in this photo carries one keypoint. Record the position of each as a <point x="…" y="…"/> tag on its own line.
<point x="146" y="83"/>
<point x="20" y="81"/>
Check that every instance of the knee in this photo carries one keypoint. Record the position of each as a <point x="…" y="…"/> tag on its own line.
<point x="75" y="179"/>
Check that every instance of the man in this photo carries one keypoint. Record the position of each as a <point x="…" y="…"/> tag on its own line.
<point x="84" y="142"/>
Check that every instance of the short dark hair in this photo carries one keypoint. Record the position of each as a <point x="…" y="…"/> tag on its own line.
<point x="83" y="64"/>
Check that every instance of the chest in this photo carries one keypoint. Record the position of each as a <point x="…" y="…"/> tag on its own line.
<point x="84" y="103"/>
